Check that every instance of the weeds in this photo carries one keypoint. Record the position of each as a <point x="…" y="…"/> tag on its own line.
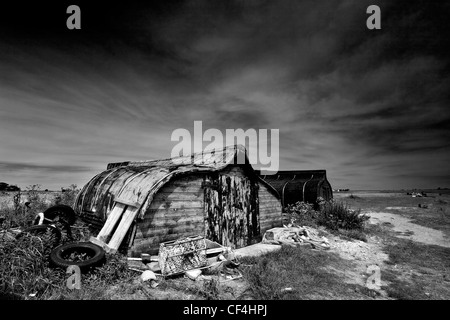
<point x="210" y="290"/>
<point x="24" y="269"/>
<point x="300" y="269"/>
<point x="302" y="214"/>
<point x="67" y="196"/>
<point x="335" y="216"/>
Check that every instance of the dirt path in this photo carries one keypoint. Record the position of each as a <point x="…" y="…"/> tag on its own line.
<point x="365" y="254"/>
<point x="404" y="228"/>
<point x="362" y="255"/>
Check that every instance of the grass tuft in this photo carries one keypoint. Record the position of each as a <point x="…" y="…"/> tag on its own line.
<point x="293" y="273"/>
<point x="335" y="216"/>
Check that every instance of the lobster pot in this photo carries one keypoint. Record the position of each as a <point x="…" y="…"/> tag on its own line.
<point x="182" y="255"/>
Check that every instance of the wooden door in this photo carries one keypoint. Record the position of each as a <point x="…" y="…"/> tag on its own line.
<point x="231" y="208"/>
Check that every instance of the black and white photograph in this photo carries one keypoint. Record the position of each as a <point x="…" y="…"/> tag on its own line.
<point x="226" y="154"/>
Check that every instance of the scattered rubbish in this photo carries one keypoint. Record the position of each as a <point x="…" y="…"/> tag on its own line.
<point x="295" y="236"/>
<point x="214" y="248"/>
<point x="230" y="255"/>
<point x="193" y="274"/>
<point x="145" y="257"/>
<point x="182" y="255"/>
<point x="230" y="264"/>
<point x="229" y="274"/>
<point x="148" y="275"/>
<point x="154" y="266"/>
<point x="417" y="194"/>
<point x="137" y="264"/>
<point x="286" y="289"/>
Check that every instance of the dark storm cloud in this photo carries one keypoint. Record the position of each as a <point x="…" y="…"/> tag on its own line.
<point x="371" y="107"/>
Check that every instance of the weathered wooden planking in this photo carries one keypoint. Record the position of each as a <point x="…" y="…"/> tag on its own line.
<point x="137" y="187"/>
<point x="171" y="212"/>
<point x="105" y="198"/>
<point x="105" y="205"/>
<point x="169" y="188"/>
<point x="111" y="222"/>
<point x="122" y="229"/>
<point x="172" y="221"/>
<point x="269" y="209"/>
<point x="151" y="242"/>
<point x="231" y="215"/>
<point x="85" y="199"/>
<point x="213" y="205"/>
<point x="193" y="180"/>
<point x="160" y="231"/>
<point x="178" y="196"/>
<point x="148" y="233"/>
<point x="174" y="204"/>
<point x="176" y="211"/>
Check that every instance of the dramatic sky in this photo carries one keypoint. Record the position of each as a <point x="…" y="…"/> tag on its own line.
<point x="369" y="106"/>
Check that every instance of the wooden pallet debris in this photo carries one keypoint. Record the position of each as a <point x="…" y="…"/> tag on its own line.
<point x="122" y="216"/>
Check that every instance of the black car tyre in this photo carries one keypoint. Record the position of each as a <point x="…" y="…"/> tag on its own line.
<point x="62" y="211"/>
<point x="60" y="256"/>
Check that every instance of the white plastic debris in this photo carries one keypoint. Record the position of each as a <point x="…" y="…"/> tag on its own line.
<point x="193" y="274"/>
<point x="148" y="275"/>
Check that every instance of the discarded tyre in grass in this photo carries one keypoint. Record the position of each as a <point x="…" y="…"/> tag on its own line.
<point x="85" y="255"/>
<point x="49" y="232"/>
<point x="62" y="211"/>
<point x="61" y="216"/>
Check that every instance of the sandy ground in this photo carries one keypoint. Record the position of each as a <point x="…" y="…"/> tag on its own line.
<point x="364" y="254"/>
<point x="404" y="228"/>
